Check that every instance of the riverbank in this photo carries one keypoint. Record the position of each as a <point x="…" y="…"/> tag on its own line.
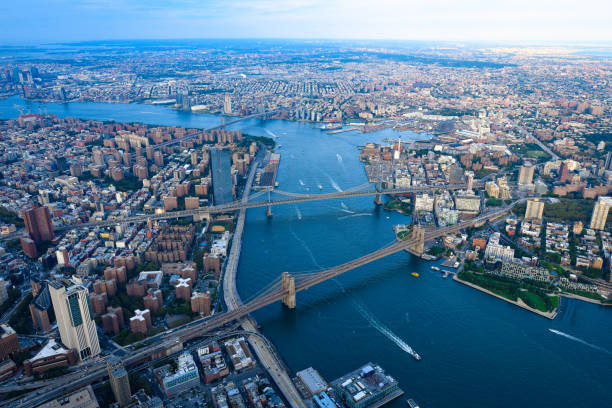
<point x="266" y="355"/>
<point x="584" y="299"/>
<point x="518" y="302"/>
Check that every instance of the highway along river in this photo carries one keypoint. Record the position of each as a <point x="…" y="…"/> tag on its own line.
<point x="477" y="351"/>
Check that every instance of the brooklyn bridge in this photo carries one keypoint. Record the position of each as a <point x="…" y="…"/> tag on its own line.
<point x="284" y="289"/>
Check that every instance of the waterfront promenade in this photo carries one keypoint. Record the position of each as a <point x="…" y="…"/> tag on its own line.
<point x="518" y="302"/>
<point x="265" y="353"/>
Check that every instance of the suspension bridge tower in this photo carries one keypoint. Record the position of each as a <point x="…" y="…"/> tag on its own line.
<point x="379" y="186"/>
<point x="417" y="235"/>
<point x="288" y="285"/>
<point x="269" y="207"/>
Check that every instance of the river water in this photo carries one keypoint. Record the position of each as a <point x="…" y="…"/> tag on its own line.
<point x="477" y="351"/>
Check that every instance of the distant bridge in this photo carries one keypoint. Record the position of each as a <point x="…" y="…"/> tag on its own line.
<point x="219" y="126"/>
<point x="293" y="198"/>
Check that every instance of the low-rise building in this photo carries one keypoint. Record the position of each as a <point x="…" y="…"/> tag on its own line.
<point x="185" y="377"/>
<point x="52" y="355"/>
<point x="212" y="361"/>
<point x="239" y="353"/>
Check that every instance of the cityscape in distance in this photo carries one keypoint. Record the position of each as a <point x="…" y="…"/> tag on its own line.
<point x="268" y="207"/>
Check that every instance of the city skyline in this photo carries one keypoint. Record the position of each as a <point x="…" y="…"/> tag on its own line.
<point x="305" y="204"/>
<point x="442" y="20"/>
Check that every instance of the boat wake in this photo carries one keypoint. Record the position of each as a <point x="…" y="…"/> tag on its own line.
<point x="339" y="157"/>
<point x="301" y="182"/>
<point x="354" y="215"/>
<point x="299" y="213"/>
<point x="334" y="184"/>
<point x="384" y="330"/>
<point x="307" y="249"/>
<point x="270" y="133"/>
<point x="586" y="343"/>
<point x="345" y="208"/>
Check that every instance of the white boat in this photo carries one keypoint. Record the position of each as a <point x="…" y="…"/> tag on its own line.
<point x="320" y="187"/>
<point x="435" y="268"/>
<point x="412" y="403"/>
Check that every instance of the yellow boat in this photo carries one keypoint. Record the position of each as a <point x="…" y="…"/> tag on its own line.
<point x="416" y="275"/>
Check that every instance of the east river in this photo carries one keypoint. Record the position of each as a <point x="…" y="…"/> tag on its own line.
<point x="477" y="351"/>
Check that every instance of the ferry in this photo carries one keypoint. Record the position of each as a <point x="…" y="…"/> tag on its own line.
<point x="416" y="275"/>
<point x="412" y="403"/>
<point x="435" y="268"/>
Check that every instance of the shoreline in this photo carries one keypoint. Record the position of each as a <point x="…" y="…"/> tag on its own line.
<point x="197" y="112"/>
<point x="584" y="299"/>
<point x="519" y="302"/>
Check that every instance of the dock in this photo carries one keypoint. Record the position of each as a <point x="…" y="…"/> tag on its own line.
<point x="333" y="132"/>
<point x="451" y="263"/>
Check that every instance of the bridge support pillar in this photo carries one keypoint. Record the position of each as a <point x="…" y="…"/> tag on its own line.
<point x="288" y="285"/>
<point x="378" y="200"/>
<point x="269" y="208"/>
<point x="418" y="234"/>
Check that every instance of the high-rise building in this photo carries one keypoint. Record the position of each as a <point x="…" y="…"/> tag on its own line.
<point x="119" y="381"/>
<point x="600" y="213"/>
<point x="526" y="174"/>
<point x="608" y="163"/>
<point x="38" y="224"/>
<point x="9" y="343"/>
<point x="3" y="291"/>
<point x="221" y="176"/>
<point x="563" y="172"/>
<point x="141" y="321"/>
<point x="74" y="317"/>
<point x="200" y="303"/>
<point x="535" y="209"/>
<point x="227" y="105"/>
<point x="470" y="181"/>
<point x="39" y="308"/>
<point x="28" y="246"/>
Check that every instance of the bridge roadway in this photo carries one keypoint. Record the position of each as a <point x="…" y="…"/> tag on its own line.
<point x="97" y="371"/>
<point x="239" y="205"/>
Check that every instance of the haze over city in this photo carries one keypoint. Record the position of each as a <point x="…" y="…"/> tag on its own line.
<point x="471" y="20"/>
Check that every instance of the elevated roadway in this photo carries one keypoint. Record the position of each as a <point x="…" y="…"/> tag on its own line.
<point x="97" y="370"/>
<point x="245" y="204"/>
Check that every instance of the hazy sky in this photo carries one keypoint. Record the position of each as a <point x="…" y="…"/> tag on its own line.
<point x="512" y="20"/>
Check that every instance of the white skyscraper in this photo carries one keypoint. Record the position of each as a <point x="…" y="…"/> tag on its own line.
<point x="600" y="213"/>
<point x="74" y="317"/>
<point x="227" y="105"/>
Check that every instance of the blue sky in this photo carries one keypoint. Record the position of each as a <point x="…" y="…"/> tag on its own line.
<point x="474" y="20"/>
